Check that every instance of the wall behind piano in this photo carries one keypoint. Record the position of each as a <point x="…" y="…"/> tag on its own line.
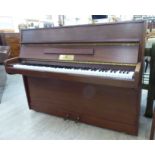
<point x="30" y="21"/>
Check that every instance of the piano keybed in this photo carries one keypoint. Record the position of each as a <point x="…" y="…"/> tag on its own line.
<point x="119" y="74"/>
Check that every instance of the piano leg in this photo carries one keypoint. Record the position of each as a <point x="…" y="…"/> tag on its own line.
<point x="26" y="85"/>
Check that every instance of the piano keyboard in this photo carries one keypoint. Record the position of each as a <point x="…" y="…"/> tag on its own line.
<point x="116" y="74"/>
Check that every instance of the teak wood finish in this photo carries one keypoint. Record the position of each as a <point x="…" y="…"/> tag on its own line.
<point x="103" y="102"/>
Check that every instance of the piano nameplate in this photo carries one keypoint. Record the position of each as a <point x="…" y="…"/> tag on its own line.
<point x="66" y="57"/>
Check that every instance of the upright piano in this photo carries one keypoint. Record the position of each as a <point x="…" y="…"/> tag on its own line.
<point x="86" y="73"/>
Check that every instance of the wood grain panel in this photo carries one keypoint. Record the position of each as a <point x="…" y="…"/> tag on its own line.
<point x="105" y="103"/>
<point x="125" y="31"/>
<point x="113" y="53"/>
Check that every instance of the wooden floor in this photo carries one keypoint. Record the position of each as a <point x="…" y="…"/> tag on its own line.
<point x="18" y="122"/>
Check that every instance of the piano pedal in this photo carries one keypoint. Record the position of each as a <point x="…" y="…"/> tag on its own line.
<point x="77" y="119"/>
<point x="66" y="117"/>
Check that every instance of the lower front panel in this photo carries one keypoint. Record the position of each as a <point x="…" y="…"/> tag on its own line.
<point x="109" y="107"/>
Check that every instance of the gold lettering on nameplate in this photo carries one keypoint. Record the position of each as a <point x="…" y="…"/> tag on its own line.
<point x="66" y="57"/>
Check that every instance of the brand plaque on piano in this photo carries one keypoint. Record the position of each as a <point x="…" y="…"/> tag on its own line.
<point x="66" y="57"/>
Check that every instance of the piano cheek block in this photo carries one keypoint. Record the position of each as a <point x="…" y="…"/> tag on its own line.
<point x="93" y="81"/>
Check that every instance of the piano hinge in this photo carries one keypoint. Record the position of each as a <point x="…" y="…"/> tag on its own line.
<point x="107" y="44"/>
<point x="99" y="63"/>
<point x="85" y="62"/>
<point x="92" y="44"/>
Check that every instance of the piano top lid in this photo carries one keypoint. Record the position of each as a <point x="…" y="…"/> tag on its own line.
<point x="110" y="32"/>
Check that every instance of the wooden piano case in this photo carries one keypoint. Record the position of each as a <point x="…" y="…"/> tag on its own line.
<point x="108" y="103"/>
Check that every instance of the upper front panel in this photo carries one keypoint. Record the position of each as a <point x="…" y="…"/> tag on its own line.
<point x="92" y="53"/>
<point x="114" y="42"/>
<point x="113" y="32"/>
